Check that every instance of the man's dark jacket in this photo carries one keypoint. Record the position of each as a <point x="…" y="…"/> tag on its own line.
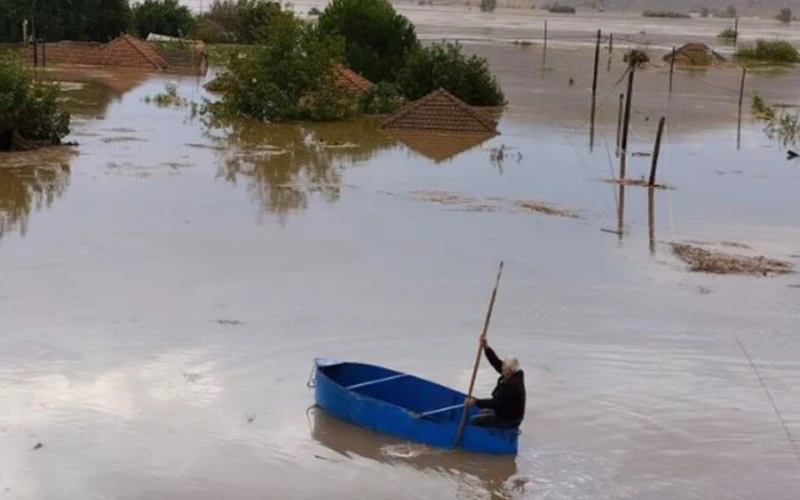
<point x="508" y="398"/>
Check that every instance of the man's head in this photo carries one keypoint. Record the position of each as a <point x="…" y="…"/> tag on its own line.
<point x="510" y="366"/>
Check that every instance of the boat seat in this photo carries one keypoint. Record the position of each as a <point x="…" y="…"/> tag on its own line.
<point x="376" y="381"/>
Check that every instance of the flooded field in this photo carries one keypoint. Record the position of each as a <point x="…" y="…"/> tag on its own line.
<point x="164" y="288"/>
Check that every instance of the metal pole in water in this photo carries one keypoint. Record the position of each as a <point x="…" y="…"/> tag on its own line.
<point x="741" y="98"/>
<point x="594" y="89"/>
<point x="656" y="152"/>
<point x="671" y="68"/>
<point x="626" y="125"/>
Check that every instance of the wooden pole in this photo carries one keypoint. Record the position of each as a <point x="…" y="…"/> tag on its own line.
<point x="544" y="50"/>
<point x="626" y="124"/>
<point x="610" y="42"/>
<point x="594" y="89"/>
<point x="619" y="122"/>
<point x="44" y="54"/>
<point x="656" y="152"/>
<point x="621" y="213"/>
<point x="651" y="220"/>
<point x="736" y="31"/>
<point x="478" y="358"/>
<point x="671" y="68"/>
<point x="741" y="99"/>
<point x="35" y="53"/>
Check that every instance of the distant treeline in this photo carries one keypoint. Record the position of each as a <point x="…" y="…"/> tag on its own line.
<point x="666" y="13"/>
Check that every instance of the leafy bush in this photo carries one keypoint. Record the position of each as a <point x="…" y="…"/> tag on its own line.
<point x="378" y="40"/>
<point x="666" y="14"/>
<point x="785" y="15"/>
<point x="163" y="17"/>
<point x="212" y="32"/>
<point x="29" y="107"/>
<point x="313" y="11"/>
<point x="488" y="5"/>
<point x="289" y="77"/>
<point x="562" y="9"/>
<point x="636" y="58"/>
<point x="727" y="35"/>
<point x="443" y="65"/>
<point x="383" y="98"/>
<point x="774" y="51"/>
<point x="704" y="12"/>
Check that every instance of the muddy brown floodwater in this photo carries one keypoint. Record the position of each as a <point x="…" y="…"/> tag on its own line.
<point x="164" y="290"/>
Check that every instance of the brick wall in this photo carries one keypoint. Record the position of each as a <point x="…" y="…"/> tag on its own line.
<point x="83" y="53"/>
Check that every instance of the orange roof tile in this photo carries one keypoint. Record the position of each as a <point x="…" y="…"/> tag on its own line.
<point x="440" y="111"/>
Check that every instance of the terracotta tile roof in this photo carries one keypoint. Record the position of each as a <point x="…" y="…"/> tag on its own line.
<point x="440" y="146"/>
<point x="129" y="51"/>
<point x="350" y="80"/>
<point x="440" y="111"/>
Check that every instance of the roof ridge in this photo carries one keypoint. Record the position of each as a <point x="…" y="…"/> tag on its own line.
<point x="470" y="110"/>
<point x="134" y="42"/>
<point x="410" y="107"/>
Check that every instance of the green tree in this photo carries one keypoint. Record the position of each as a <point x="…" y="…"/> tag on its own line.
<point x="731" y="11"/>
<point x="704" y="12"/>
<point x="290" y="76"/>
<point x="244" y="20"/>
<point x="164" y="17"/>
<point x="32" y="109"/>
<point x="785" y="15"/>
<point x="53" y="20"/>
<point x="378" y="40"/>
<point x="443" y="65"/>
<point x="488" y="5"/>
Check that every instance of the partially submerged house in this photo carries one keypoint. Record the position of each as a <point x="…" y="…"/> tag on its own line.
<point x="695" y="54"/>
<point x="440" y="126"/>
<point x="125" y="51"/>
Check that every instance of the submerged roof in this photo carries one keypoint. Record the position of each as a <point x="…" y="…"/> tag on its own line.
<point x="440" y="111"/>
<point x="147" y="53"/>
<point x="348" y="79"/>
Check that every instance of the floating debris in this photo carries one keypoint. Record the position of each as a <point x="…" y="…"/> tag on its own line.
<point x="640" y="182"/>
<point x="38" y="446"/>
<point x="468" y="204"/>
<point x="547" y="209"/>
<point x="228" y="322"/>
<point x="715" y="262"/>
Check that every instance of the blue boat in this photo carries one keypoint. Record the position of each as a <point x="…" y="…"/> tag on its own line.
<point x="405" y="406"/>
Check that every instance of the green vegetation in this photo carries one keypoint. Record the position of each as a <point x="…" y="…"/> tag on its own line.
<point x="727" y="35"/>
<point x="562" y="9"/>
<point x="79" y="20"/>
<point x="163" y="17"/>
<point x="488" y="5"/>
<point x="30" y="111"/>
<point x="770" y="51"/>
<point x="290" y="76"/>
<point x="785" y="15"/>
<point x="704" y="12"/>
<point x="444" y="65"/>
<point x="378" y="40"/>
<point x="667" y="14"/>
<point x="636" y="58"/>
<point x="384" y="98"/>
<point x="238" y="21"/>
<point x="779" y="125"/>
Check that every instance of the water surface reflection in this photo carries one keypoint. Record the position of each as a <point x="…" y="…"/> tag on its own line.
<point x="285" y="165"/>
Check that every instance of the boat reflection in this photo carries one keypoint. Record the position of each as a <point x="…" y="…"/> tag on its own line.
<point x="493" y="474"/>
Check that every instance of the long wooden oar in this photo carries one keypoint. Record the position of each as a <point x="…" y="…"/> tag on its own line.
<point x="478" y="358"/>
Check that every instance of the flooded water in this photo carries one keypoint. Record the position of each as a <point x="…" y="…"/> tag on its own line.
<point x="166" y="287"/>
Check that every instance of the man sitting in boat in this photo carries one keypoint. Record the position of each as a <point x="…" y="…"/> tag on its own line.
<point x="506" y="408"/>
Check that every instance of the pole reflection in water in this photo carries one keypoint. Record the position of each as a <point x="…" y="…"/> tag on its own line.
<point x="488" y="473"/>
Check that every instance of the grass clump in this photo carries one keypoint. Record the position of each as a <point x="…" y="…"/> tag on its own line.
<point x="727" y="35"/>
<point x="772" y="51"/>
